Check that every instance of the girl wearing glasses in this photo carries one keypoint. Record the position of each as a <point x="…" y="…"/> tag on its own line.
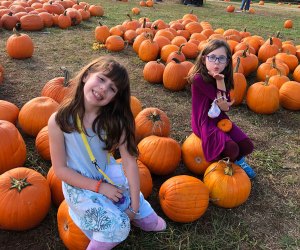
<point x="212" y="79"/>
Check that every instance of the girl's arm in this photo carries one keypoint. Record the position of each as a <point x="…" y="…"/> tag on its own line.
<point x="132" y="174"/>
<point x="59" y="159"/>
<point x="68" y="175"/>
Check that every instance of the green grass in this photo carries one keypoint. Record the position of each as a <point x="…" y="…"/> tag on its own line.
<point x="270" y="217"/>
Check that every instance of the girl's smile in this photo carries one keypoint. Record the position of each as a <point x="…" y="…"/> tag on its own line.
<point x="99" y="90"/>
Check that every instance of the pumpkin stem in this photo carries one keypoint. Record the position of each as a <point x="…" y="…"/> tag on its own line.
<point x="66" y="76"/>
<point x="228" y="170"/>
<point x="238" y="62"/>
<point x="19" y="184"/>
<point x="144" y="22"/>
<point x="179" y="52"/>
<point x="277" y="34"/>
<point x="175" y="60"/>
<point x="154" y="117"/>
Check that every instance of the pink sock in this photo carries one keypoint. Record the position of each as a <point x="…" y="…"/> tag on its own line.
<point x="151" y="222"/>
<point x="97" y="245"/>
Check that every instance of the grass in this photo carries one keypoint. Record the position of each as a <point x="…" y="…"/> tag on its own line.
<point x="268" y="220"/>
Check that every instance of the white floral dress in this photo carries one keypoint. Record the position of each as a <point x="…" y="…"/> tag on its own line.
<point x="98" y="217"/>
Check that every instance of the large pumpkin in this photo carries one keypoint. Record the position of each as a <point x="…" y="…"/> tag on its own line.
<point x="34" y="115"/>
<point x="289" y="95"/>
<point x="42" y="143"/>
<point x="12" y="147"/>
<point x="193" y="156"/>
<point x="55" y="185"/>
<point x="71" y="235"/>
<point x="25" y="199"/>
<point x="263" y="98"/>
<point x="228" y="184"/>
<point x="8" y="111"/>
<point x="151" y="121"/>
<point x="160" y="154"/>
<point x="183" y="198"/>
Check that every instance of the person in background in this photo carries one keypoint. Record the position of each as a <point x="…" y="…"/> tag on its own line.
<point x="212" y="79"/>
<point x="245" y="6"/>
<point x="99" y="110"/>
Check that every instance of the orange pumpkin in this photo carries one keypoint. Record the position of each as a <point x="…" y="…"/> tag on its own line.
<point x="225" y="125"/>
<point x="8" y="111"/>
<point x="19" y="46"/>
<point x="230" y="8"/>
<point x="296" y="74"/>
<point x="55" y="185"/>
<point x="145" y="179"/>
<point x="193" y="156"/>
<point x="101" y="33"/>
<point x="25" y="199"/>
<point x="70" y="234"/>
<point x="289" y="95"/>
<point x="278" y="80"/>
<point x="183" y="198"/>
<point x="12" y="147"/>
<point x="267" y="50"/>
<point x="240" y="85"/>
<point x="232" y="187"/>
<point x="42" y="144"/>
<point x="34" y="114"/>
<point x="58" y="88"/>
<point x="174" y="77"/>
<point x="114" y="43"/>
<point x="151" y="121"/>
<point x="153" y="71"/>
<point x="160" y="154"/>
<point x="288" y="24"/>
<point x="148" y="50"/>
<point x="263" y="98"/>
<point x="96" y="10"/>
<point x="135" y="106"/>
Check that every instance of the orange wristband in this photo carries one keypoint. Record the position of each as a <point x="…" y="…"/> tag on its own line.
<point x="98" y="186"/>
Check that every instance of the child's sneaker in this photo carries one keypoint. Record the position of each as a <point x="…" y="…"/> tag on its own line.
<point x="243" y="164"/>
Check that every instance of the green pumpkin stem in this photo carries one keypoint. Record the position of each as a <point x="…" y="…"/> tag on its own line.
<point x="19" y="184"/>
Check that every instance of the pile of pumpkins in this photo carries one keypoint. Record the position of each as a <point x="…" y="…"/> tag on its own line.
<point x="170" y="48"/>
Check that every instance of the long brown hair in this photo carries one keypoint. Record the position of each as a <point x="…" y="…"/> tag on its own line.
<point x="114" y="118"/>
<point x="200" y="66"/>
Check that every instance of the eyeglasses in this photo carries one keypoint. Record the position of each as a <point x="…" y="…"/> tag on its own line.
<point x="214" y="58"/>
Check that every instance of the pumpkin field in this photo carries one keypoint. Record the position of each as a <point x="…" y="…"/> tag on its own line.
<point x="43" y="43"/>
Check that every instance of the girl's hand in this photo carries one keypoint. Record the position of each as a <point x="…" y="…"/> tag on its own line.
<point x="222" y="102"/>
<point x="111" y="192"/>
<point x="216" y="75"/>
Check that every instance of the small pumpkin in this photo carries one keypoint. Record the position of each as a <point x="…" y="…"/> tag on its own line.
<point x="19" y="46"/>
<point x="153" y="71"/>
<point x="288" y="24"/>
<point x="174" y="77"/>
<point x="101" y="33"/>
<point x="70" y="234"/>
<point x="160" y="154"/>
<point x="225" y="125"/>
<point x="114" y="43"/>
<point x="25" y="199"/>
<point x="183" y="198"/>
<point x="232" y="187"/>
<point x="96" y="10"/>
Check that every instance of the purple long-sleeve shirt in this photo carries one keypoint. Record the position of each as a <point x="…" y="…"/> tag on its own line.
<point x="213" y="139"/>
